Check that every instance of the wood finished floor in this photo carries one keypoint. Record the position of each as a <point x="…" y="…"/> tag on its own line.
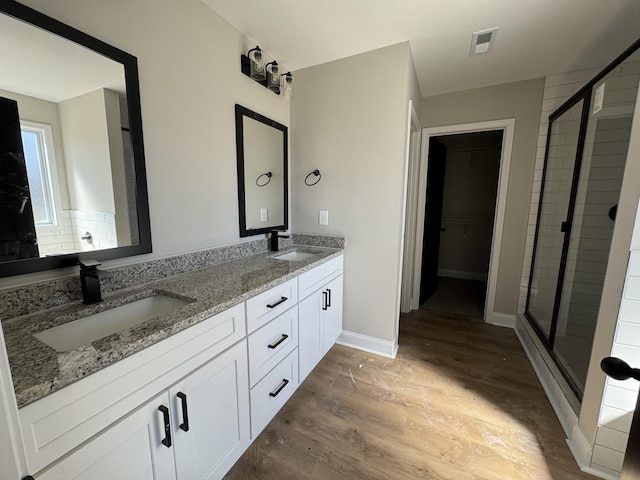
<point x="460" y="402"/>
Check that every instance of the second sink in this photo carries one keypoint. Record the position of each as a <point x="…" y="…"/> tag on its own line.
<point x="83" y="331"/>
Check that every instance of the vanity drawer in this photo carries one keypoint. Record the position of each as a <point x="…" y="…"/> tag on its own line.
<point x="315" y="278"/>
<point x="268" y="305"/>
<point x="271" y="343"/>
<point x="59" y="422"/>
<point x="272" y="392"/>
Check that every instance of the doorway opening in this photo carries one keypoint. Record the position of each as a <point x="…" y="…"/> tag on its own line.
<point x="462" y="219"/>
<point x="462" y="185"/>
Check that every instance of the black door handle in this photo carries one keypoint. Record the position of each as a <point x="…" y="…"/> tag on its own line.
<point x="185" y="413"/>
<point x="279" y="341"/>
<point x="279" y="389"/>
<point x="619" y="369"/>
<point x="278" y="302"/>
<point x="166" y="441"/>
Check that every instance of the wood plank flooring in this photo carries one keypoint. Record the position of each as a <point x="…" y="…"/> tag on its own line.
<point x="460" y="402"/>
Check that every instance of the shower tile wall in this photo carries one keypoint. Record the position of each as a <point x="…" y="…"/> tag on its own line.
<point x="620" y="397"/>
<point x="557" y="90"/>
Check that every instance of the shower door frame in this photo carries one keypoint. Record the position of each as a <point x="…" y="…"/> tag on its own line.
<point x="584" y="94"/>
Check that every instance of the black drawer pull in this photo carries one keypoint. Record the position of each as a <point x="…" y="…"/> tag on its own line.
<point x="279" y="341"/>
<point x="329" y="302"/>
<point x="278" y="302"/>
<point x="166" y="441"/>
<point x="185" y="413"/>
<point x="324" y="300"/>
<point x="279" y="389"/>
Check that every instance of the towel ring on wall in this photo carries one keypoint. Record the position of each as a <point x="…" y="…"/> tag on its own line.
<point x="268" y="175"/>
<point x="317" y="174"/>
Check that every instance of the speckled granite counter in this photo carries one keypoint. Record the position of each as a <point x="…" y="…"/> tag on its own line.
<point x="38" y="369"/>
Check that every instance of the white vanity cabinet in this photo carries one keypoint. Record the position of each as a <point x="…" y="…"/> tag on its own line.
<point x="319" y="313"/>
<point x="197" y="429"/>
<point x="188" y="406"/>
<point x="272" y="320"/>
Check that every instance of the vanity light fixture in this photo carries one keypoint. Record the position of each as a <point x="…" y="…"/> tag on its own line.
<point x="256" y="64"/>
<point x="273" y="76"/>
<point x="287" y="84"/>
<point x="266" y="74"/>
<point x="315" y="173"/>
<point x="263" y="183"/>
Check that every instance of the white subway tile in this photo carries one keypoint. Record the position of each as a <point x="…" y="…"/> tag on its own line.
<point x="632" y="288"/>
<point x="620" y="398"/>
<point x="608" y="458"/>
<point x="615" y="418"/>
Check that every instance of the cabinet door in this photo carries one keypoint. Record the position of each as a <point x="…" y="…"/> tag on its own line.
<point x="211" y="416"/>
<point x="132" y="448"/>
<point x="332" y="313"/>
<point x="310" y="343"/>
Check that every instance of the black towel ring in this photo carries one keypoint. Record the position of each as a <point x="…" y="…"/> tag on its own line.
<point x="268" y="175"/>
<point x="317" y="174"/>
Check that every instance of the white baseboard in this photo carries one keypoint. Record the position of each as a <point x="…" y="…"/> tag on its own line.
<point x="501" y="319"/>
<point x="444" y="272"/>
<point x="374" y="345"/>
<point x="552" y="387"/>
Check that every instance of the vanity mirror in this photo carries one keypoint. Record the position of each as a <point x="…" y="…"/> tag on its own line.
<point x="262" y="146"/>
<point x="72" y="170"/>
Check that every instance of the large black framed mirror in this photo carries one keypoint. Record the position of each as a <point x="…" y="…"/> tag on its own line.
<point x="72" y="168"/>
<point x="261" y="146"/>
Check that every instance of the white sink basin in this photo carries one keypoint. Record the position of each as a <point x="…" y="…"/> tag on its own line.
<point x="295" y="256"/>
<point x="83" y="331"/>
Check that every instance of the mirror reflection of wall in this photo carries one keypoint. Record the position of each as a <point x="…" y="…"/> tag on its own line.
<point x="263" y="152"/>
<point x="262" y="149"/>
<point x="75" y="137"/>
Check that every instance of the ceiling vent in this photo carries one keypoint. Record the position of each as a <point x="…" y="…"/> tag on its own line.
<point x="482" y="42"/>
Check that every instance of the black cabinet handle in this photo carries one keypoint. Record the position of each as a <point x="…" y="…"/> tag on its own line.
<point x="279" y="341"/>
<point x="166" y="441"/>
<point x="279" y="389"/>
<point x="185" y="413"/>
<point x="329" y="302"/>
<point x="324" y="300"/>
<point x="276" y="303"/>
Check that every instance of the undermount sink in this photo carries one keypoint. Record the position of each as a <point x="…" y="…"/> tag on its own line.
<point x="83" y="331"/>
<point x="295" y="256"/>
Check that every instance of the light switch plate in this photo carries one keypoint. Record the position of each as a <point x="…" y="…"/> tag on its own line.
<point x="264" y="214"/>
<point x="323" y="217"/>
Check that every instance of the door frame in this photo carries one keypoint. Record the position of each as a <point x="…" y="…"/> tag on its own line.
<point x="507" y="126"/>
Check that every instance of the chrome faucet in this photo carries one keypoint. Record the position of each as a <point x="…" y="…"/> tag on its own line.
<point x="90" y="281"/>
<point x="273" y="241"/>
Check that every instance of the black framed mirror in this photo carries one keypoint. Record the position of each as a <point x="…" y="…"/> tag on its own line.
<point x="262" y="154"/>
<point x="72" y="156"/>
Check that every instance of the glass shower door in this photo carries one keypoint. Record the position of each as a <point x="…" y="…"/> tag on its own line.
<point x="608" y="133"/>
<point x="557" y="176"/>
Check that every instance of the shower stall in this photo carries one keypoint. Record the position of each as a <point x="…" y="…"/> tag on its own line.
<point x="586" y="152"/>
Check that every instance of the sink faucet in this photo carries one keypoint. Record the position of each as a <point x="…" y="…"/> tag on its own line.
<point x="273" y="241"/>
<point x="90" y="280"/>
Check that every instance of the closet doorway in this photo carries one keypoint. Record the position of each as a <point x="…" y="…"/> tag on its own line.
<point x="462" y="184"/>
<point x="420" y="250"/>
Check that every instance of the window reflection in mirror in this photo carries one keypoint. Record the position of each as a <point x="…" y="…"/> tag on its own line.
<point x="79" y="127"/>
<point x="262" y="172"/>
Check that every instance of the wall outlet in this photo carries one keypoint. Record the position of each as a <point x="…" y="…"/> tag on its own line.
<point x="323" y="217"/>
<point x="264" y="214"/>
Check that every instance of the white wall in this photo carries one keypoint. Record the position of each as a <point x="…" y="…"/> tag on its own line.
<point x="522" y="101"/>
<point x="350" y="122"/>
<point x="190" y="79"/>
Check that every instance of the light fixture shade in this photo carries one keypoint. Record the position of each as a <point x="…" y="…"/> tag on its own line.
<point x="287" y="84"/>
<point x="273" y="76"/>
<point x="256" y="64"/>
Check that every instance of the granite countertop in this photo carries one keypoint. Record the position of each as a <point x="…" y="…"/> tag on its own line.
<point x="38" y="370"/>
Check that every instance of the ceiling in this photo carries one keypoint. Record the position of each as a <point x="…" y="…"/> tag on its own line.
<point x="535" y="38"/>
